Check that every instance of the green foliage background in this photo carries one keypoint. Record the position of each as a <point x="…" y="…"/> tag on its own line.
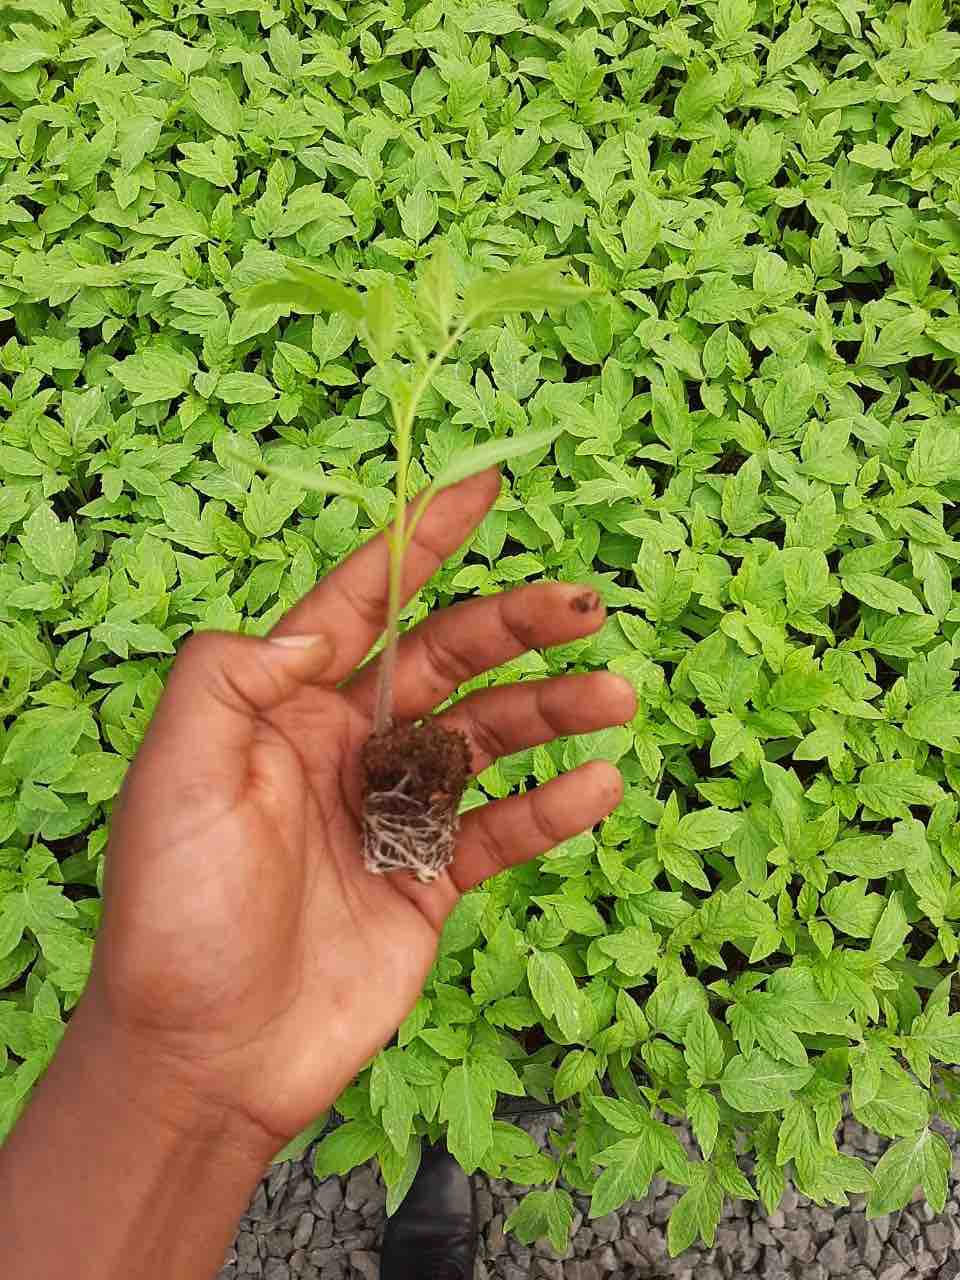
<point x="759" y="470"/>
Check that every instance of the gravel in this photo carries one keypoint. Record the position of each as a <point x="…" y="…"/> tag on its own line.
<point x="299" y="1229"/>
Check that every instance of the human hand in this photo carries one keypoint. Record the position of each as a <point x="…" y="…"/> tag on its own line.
<point x="244" y="948"/>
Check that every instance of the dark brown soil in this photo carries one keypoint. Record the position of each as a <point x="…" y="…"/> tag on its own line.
<point x="585" y="602"/>
<point x="414" y="777"/>
<point x="428" y="762"/>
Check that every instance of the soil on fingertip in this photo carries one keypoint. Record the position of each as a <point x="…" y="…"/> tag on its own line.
<point x="426" y="762"/>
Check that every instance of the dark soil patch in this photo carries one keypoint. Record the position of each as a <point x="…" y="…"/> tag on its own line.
<point x="414" y="777"/>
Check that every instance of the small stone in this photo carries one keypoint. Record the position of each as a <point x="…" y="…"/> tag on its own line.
<point x="328" y="1197"/>
<point x="938" y="1236"/>
<point x="278" y="1179"/>
<point x="649" y="1240"/>
<point x="512" y="1272"/>
<point x="298" y="1262"/>
<point x="605" y="1258"/>
<point x="798" y="1243"/>
<point x="728" y="1239"/>
<point x="484" y="1205"/>
<point x="368" y="1264"/>
<point x="833" y="1256"/>
<point x="904" y="1245"/>
<point x="547" y="1270"/>
<point x="227" y="1273"/>
<point x="246" y="1245"/>
<point x="362" y="1188"/>
<point x="872" y="1248"/>
<point x="276" y="1269"/>
<point x="663" y="1208"/>
<point x="627" y="1252"/>
<point x="279" y="1244"/>
<point x="258" y="1205"/>
<point x="304" y="1230"/>
<point x="762" y="1234"/>
<point x="822" y="1222"/>
<point x="858" y="1229"/>
<point x="576" y="1270"/>
<point x="776" y="1220"/>
<point x="303" y="1190"/>
<point x="322" y="1257"/>
<point x="608" y="1227"/>
<point x="496" y="1240"/>
<point x="896" y="1271"/>
<point x="322" y="1234"/>
<point x="749" y="1256"/>
<point x="522" y="1256"/>
<point x="358" y="1240"/>
<point x="882" y="1226"/>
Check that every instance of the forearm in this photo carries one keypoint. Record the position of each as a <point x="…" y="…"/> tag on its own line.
<point x="115" y="1170"/>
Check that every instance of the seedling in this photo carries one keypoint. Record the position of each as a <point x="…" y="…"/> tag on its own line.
<point x="414" y="775"/>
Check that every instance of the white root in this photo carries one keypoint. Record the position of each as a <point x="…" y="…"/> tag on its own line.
<point x="402" y="833"/>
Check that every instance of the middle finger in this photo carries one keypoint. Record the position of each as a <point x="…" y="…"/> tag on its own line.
<point x="455" y="644"/>
<point x="498" y="722"/>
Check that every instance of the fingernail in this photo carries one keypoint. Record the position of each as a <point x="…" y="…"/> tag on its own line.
<point x="301" y="642"/>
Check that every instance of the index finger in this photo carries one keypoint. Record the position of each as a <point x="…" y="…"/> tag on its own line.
<point x="350" y="605"/>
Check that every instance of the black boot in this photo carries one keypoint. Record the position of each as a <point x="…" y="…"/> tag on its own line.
<point x="433" y="1235"/>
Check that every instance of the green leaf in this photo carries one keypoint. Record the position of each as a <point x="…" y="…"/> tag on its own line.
<point x="51" y="544"/>
<point x="897" y="1107"/>
<point x="471" y="461"/>
<point x="629" y="1167"/>
<point x="308" y="292"/>
<point x="518" y="289"/>
<point x="702" y="1049"/>
<point x="306" y="478"/>
<point x="881" y="593"/>
<point x="159" y="372"/>
<point x="756" y="1082"/>
<point x="577" y="1070"/>
<point x="382" y="322"/>
<point x="543" y="1214"/>
<point x="216" y="103"/>
<point x="697" y="1213"/>
<point x="555" y="991"/>
<point x="346" y="1146"/>
<point x="298" y="1145"/>
<point x="467" y="1108"/>
<point x="922" y="1159"/>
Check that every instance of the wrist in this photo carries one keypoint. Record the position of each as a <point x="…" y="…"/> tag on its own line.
<point x="128" y="1070"/>
<point x="126" y="1151"/>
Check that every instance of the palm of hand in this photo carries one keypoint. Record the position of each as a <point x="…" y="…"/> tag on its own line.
<point x="301" y="964"/>
<point x="242" y="938"/>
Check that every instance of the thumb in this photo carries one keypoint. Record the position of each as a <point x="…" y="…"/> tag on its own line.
<point x="221" y="683"/>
